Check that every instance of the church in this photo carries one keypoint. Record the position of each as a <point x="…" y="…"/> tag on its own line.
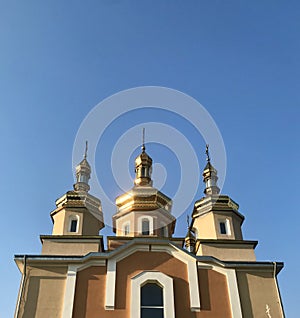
<point x="145" y="272"/>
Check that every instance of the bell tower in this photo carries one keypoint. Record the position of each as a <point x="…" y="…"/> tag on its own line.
<point x="217" y="222"/>
<point x="144" y="210"/>
<point x="77" y="214"/>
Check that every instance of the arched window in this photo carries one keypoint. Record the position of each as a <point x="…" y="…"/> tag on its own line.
<point x="152" y="295"/>
<point x="126" y="229"/>
<point x="224" y="227"/>
<point x="152" y="301"/>
<point x="73" y="226"/>
<point x="145" y="227"/>
<point x="73" y="223"/>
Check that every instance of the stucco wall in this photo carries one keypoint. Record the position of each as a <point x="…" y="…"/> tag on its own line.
<point x="91" y="284"/>
<point x="44" y="291"/>
<point x="258" y="292"/>
<point x="227" y="253"/>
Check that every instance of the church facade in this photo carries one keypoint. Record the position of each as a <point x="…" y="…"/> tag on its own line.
<point x="145" y="272"/>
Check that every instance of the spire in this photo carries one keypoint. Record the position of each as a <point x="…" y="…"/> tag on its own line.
<point x="143" y="141"/>
<point x="86" y="149"/>
<point x="143" y="166"/>
<point x="83" y="173"/>
<point x="210" y="176"/>
<point x="189" y="240"/>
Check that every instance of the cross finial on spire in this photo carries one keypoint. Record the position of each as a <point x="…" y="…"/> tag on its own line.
<point x="207" y="153"/>
<point x="143" y="140"/>
<point x="86" y="149"/>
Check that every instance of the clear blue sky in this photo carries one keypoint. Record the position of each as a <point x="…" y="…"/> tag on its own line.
<point x="239" y="59"/>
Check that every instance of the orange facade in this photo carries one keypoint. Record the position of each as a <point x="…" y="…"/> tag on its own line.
<point x="91" y="286"/>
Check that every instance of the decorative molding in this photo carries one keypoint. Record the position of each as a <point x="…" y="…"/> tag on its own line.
<point x="69" y="292"/>
<point x="111" y="274"/>
<point x="233" y="292"/>
<point x="140" y="221"/>
<point x="191" y="263"/>
<point x="151" y="276"/>
<point x="110" y="284"/>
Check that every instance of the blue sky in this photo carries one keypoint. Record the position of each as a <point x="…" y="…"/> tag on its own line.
<point x="239" y="59"/>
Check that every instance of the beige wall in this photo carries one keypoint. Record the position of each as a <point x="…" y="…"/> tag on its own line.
<point x="207" y="226"/>
<point x="61" y="222"/>
<point x="257" y="291"/>
<point x="43" y="292"/>
<point x="52" y="247"/>
<point x="227" y="253"/>
<point x="88" y="224"/>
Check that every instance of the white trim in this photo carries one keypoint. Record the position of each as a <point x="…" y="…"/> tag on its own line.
<point x="69" y="292"/>
<point x="168" y="293"/>
<point x="140" y="221"/>
<point x="192" y="267"/>
<point x="124" y="227"/>
<point x="111" y="274"/>
<point x="233" y="292"/>
<point x="73" y="218"/>
<point x="227" y="224"/>
<point x="100" y="262"/>
<point x="110" y="284"/>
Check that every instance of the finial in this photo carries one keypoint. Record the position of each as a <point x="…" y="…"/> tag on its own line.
<point x="207" y="153"/>
<point x="86" y="149"/>
<point x="143" y="140"/>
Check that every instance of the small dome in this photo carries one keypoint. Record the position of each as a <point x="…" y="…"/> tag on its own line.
<point x="143" y="158"/>
<point x="83" y="164"/>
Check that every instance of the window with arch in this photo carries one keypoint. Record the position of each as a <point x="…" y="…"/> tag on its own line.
<point x="145" y="227"/>
<point x="152" y="304"/>
<point x="73" y="224"/>
<point x="152" y="295"/>
<point x="126" y="229"/>
<point x="224" y="227"/>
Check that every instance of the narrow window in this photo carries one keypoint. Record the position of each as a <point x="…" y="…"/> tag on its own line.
<point x="73" y="227"/>
<point x="126" y="229"/>
<point x="145" y="227"/>
<point x="163" y="231"/>
<point x="223" y="228"/>
<point x="152" y="301"/>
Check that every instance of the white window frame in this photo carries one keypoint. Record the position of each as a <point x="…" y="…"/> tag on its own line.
<point x="140" y="222"/>
<point x="159" y="278"/>
<point x="227" y="226"/>
<point x="73" y="218"/>
<point x="124" y="228"/>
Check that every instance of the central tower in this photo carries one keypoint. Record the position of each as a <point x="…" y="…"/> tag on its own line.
<point x="144" y="210"/>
